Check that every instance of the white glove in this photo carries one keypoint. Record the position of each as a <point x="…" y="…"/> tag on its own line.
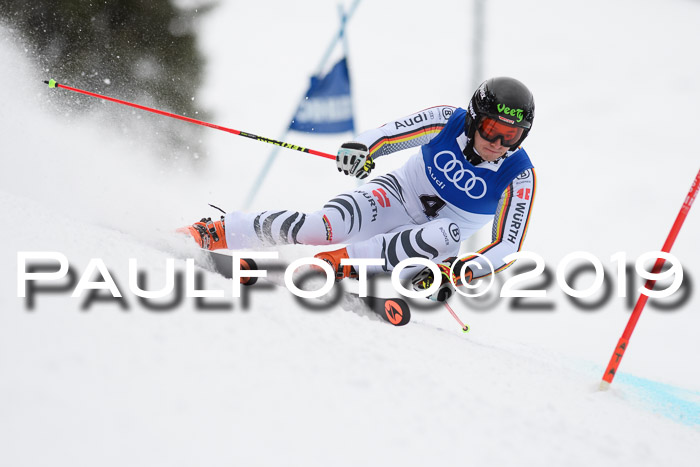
<point x="424" y="279"/>
<point x="353" y="158"/>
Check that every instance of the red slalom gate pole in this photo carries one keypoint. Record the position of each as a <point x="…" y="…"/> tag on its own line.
<point x="622" y="344"/>
<point x="53" y="84"/>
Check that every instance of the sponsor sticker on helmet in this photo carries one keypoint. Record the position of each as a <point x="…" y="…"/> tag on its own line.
<point x="517" y="113"/>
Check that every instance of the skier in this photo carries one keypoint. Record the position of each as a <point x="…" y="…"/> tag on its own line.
<point x="469" y="169"/>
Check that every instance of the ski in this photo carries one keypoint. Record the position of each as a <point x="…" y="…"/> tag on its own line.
<point x="394" y="311"/>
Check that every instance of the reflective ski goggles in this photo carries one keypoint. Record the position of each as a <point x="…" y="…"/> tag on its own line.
<point x="491" y="130"/>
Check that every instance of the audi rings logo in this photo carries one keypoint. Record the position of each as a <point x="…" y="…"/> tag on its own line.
<point x="463" y="179"/>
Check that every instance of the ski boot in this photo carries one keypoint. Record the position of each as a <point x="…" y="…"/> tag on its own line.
<point x="333" y="258"/>
<point x="210" y="235"/>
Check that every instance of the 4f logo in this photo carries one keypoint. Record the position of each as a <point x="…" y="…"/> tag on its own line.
<point x="524" y="193"/>
<point x="382" y="198"/>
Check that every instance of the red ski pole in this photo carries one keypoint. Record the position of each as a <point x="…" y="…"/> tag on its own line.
<point x="465" y="327"/>
<point x="54" y="84"/>
<point x="622" y="344"/>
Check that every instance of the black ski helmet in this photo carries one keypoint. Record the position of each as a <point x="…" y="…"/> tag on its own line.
<point x="504" y="99"/>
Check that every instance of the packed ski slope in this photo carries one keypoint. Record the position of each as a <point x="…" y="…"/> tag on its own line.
<point x="269" y="382"/>
<point x="275" y="383"/>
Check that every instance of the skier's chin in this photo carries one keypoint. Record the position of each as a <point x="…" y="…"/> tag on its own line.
<point x="490" y="155"/>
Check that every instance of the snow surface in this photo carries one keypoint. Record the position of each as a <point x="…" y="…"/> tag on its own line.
<point x="276" y="384"/>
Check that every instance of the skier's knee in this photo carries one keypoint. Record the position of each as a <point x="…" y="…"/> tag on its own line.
<point x="445" y="237"/>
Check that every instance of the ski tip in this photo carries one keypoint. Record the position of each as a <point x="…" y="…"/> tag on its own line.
<point x="604" y="386"/>
<point x="396" y="312"/>
<point x="393" y="310"/>
<point x="52" y="83"/>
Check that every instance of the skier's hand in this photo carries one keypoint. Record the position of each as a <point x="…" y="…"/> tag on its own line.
<point x="424" y="279"/>
<point x="353" y="159"/>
